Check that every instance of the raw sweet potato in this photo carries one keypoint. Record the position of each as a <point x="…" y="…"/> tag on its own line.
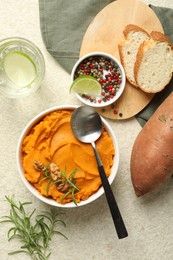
<point x="152" y="154"/>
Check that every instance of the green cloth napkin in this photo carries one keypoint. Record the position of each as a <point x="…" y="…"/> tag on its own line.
<point x="63" y="24"/>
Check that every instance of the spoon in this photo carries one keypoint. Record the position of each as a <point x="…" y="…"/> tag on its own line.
<point x="87" y="127"/>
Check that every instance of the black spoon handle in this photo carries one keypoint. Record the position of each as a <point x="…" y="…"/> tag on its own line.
<point x="116" y="215"/>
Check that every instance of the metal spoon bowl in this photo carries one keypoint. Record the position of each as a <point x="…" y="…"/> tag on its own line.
<point x="87" y="127"/>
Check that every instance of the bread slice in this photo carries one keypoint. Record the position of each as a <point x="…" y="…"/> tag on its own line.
<point x="154" y="63"/>
<point x="128" y="48"/>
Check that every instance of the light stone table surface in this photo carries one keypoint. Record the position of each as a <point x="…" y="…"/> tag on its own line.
<point x="90" y="231"/>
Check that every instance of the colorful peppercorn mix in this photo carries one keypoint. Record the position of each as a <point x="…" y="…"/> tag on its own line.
<point x="106" y="72"/>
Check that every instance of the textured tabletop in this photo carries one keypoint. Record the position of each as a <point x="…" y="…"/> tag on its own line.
<point x="90" y="231"/>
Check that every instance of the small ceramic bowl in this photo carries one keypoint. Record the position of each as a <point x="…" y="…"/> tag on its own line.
<point x="107" y="70"/>
<point x="32" y="189"/>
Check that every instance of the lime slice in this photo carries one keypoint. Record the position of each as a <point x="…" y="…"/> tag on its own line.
<point x="86" y="85"/>
<point x="19" y="68"/>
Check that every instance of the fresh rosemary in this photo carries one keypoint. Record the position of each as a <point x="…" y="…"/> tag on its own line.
<point x="34" y="235"/>
<point x="65" y="184"/>
<point x="71" y="183"/>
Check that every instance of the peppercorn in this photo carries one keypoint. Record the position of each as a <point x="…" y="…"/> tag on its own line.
<point x="105" y="71"/>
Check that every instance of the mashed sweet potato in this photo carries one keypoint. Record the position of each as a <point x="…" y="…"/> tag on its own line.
<point x="52" y="140"/>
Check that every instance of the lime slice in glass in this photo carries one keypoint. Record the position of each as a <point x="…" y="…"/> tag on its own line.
<point x="86" y="85"/>
<point x="19" y="68"/>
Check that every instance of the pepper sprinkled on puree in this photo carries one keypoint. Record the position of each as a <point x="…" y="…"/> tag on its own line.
<point x="52" y="141"/>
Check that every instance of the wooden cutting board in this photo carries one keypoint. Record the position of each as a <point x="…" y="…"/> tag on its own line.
<point x="105" y="32"/>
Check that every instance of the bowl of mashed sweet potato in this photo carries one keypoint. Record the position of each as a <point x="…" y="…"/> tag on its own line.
<point x="57" y="168"/>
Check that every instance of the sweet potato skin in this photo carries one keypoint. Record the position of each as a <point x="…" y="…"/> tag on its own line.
<point x="152" y="153"/>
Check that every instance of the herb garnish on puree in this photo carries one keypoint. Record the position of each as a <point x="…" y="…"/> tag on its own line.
<point x="52" y="140"/>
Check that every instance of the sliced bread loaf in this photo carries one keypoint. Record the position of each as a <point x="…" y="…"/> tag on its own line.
<point x="154" y="63"/>
<point x="128" y="48"/>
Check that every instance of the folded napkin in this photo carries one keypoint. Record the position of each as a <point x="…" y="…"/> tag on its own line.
<point x="64" y="23"/>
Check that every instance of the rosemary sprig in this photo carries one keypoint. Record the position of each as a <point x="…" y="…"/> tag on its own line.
<point x="72" y="187"/>
<point x="34" y="235"/>
<point x="65" y="184"/>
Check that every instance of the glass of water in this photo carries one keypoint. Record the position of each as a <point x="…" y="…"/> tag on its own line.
<point x="22" y="67"/>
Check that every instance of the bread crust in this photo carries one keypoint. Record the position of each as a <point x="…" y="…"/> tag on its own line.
<point x="160" y="37"/>
<point x="133" y="27"/>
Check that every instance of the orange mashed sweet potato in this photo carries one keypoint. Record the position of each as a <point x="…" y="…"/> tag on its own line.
<point x="52" y="140"/>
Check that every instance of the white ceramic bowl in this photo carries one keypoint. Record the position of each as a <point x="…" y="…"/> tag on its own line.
<point x="121" y="87"/>
<point x="31" y="188"/>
